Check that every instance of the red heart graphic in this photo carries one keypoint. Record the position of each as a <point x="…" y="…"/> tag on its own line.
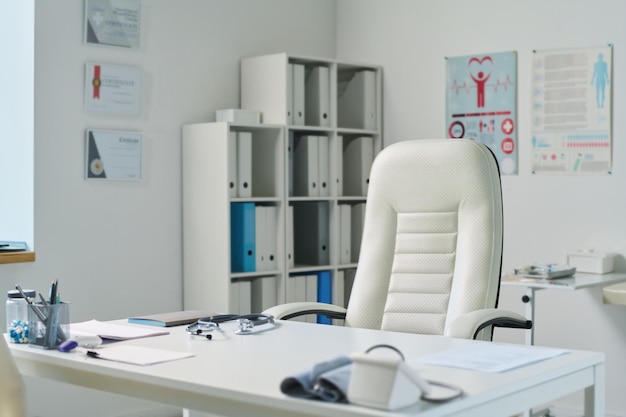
<point x="480" y="68"/>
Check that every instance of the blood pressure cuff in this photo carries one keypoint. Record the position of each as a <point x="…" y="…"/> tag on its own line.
<point x="327" y="381"/>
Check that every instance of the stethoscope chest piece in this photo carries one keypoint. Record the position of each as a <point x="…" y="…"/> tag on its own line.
<point x="246" y="324"/>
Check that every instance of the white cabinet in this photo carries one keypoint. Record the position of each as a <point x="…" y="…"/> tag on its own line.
<point x="308" y="163"/>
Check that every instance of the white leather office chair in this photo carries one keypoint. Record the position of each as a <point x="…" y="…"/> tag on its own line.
<point x="431" y="249"/>
<point x="12" y="391"/>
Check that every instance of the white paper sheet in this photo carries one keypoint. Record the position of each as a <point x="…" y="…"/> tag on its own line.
<point x="489" y="357"/>
<point x="137" y="355"/>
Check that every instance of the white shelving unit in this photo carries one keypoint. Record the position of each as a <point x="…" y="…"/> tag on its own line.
<point x="342" y="120"/>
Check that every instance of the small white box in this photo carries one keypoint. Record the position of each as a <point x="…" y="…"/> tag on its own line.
<point x="591" y="261"/>
<point x="244" y="117"/>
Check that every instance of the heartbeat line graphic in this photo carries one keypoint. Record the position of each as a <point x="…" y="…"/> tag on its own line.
<point x="456" y="87"/>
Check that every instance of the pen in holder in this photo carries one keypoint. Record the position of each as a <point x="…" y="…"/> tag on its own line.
<point x="48" y="324"/>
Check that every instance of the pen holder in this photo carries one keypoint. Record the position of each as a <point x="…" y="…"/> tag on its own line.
<point x="49" y="325"/>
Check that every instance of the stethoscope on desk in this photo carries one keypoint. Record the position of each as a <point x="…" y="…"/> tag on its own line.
<point x="246" y="324"/>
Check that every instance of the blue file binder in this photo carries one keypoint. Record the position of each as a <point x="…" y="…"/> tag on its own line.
<point x="324" y="293"/>
<point x="242" y="237"/>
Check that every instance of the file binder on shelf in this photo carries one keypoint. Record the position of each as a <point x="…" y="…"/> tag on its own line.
<point x="306" y="166"/>
<point x="338" y="162"/>
<point x="338" y="293"/>
<point x="290" y="170"/>
<point x="323" y="166"/>
<point x="271" y="241"/>
<point x="296" y="291"/>
<point x="317" y="97"/>
<point x="348" y="280"/>
<point x="356" y="107"/>
<point x="263" y="293"/>
<point x="356" y="230"/>
<point x="266" y="245"/>
<point x="232" y="164"/>
<point x="311" y="294"/>
<point x="289" y="120"/>
<point x="311" y="226"/>
<point x="324" y="293"/>
<point x="345" y="234"/>
<point x="241" y="297"/>
<point x="290" y="238"/>
<point x="260" y="238"/>
<point x="298" y="91"/>
<point x="244" y="164"/>
<point x="358" y="156"/>
<point x="242" y="242"/>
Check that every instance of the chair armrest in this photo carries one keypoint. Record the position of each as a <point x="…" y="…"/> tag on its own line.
<point x="290" y="310"/>
<point x="469" y="325"/>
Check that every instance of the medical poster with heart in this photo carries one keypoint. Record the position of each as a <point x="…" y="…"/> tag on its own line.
<point x="481" y="103"/>
<point x="571" y="111"/>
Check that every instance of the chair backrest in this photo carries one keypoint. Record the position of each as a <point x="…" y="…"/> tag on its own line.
<point x="432" y="237"/>
<point x="12" y="392"/>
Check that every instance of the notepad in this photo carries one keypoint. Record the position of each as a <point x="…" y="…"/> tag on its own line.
<point x="138" y="355"/>
<point x="112" y="331"/>
<point x="176" y="318"/>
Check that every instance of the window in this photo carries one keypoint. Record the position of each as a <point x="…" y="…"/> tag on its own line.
<point x="17" y="39"/>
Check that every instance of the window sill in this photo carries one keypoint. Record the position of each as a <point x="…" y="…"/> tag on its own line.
<point x="16" y="257"/>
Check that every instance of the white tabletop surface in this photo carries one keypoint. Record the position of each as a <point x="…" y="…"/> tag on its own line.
<point x="240" y="375"/>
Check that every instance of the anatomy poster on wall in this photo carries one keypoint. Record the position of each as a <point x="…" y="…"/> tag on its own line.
<point x="571" y="111"/>
<point x="481" y="103"/>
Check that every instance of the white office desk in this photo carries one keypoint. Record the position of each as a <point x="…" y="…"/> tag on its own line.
<point x="576" y="282"/>
<point x="240" y="376"/>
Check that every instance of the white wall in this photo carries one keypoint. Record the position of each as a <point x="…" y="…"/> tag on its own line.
<point x="544" y="216"/>
<point x="116" y="246"/>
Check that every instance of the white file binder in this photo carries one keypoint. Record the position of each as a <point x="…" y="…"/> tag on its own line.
<point x="356" y="107"/>
<point x="289" y="94"/>
<point x="298" y="94"/>
<point x="338" y="293"/>
<point x="356" y="229"/>
<point x="290" y="152"/>
<point x="358" y="155"/>
<point x="317" y="97"/>
<point x="338" y="161"/>
<point x="244" y="164"/>
<point x="345" y="237"/>
<point x="311" y="295"/>
<point x="232" y="164"/>
<point x="306" y="166"/>
<point x="348" y="280"/>
<point x="338" y="289"/>
<point x="240" y="297"/>
<point x="323" y="158"/>
<point x="290" y="247"/>
<point x="263" y="293"/>
<point x="260" y="237"/>
<point x="296" y="291"/>
<point x="271" y="242"/>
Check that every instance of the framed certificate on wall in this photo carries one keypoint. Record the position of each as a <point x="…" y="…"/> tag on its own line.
<point x="112" y="155"/>
<point x="113" y="23"/>
<point x="112" y="89"/>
